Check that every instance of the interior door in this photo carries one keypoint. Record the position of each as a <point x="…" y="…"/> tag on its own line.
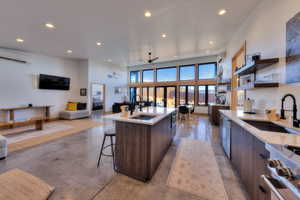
<point x="166" y="96"/>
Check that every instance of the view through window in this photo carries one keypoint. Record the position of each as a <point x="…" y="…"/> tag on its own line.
<point x="207" y="71"/>
<point x="187" y="73"/>
<point x="148" y="76"/>
<point x="164" y="95"/>
<point x="166" y="74"/>
<point x="135" y="77"/>
<point x="187" y="95"/>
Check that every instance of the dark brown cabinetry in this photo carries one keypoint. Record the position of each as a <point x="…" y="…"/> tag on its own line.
<point x="213" y="112"/>
<point x="249" y="158"/>
<point x="260" y="159"/>
<point x="140" y="148"/>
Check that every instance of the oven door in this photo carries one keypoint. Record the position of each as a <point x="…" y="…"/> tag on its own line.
<point x="278" y="190"/>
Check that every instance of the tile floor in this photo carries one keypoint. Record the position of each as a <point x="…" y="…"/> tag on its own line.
<point x="69" y="164"/>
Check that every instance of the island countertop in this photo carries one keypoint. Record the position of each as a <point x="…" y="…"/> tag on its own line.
<point x="270" y="137"/>
<point x="159" y="113"/>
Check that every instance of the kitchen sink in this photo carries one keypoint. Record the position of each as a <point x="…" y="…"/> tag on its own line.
<point x="144" y="117"/>
<point x="266" y="126"/>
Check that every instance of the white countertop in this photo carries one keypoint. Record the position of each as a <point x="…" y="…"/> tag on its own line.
<point x="266" y="136"/>
<point x="159" y="113"/>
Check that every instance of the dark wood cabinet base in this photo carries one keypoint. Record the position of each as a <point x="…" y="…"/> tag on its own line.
<point x="140" y="148"/>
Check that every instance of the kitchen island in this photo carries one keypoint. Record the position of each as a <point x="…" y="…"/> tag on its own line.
<point x="142" y="140"/>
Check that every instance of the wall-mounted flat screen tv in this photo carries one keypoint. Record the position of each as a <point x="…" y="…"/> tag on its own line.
<point x="48" y="82"/>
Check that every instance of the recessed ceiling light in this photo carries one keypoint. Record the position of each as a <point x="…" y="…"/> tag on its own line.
<point x="99" y="43"/>
<point x="20" y="40"/>
<point x="211" y="42"/>
<point x="49" y="25"/>
<point x="69" y="51"/>
<point x="222" y="12"/>
<point x="148" y="14"/>
<point x="163" y="35"/>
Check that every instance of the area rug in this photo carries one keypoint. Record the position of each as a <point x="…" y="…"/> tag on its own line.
<point x="19" y="185"/>
<point x="195" y="170"/>
<point x="49" y="128"/>
<point x="58" y="131"/>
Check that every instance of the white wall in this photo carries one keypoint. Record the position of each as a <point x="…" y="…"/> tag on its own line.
<point x="98" y="73"/>
<point x="19" y="82"/>
<point x="265" y="32"/>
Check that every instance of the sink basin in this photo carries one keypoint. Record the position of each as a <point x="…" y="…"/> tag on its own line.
<point x="266" y="126"/>
<point x="144" y="117"/>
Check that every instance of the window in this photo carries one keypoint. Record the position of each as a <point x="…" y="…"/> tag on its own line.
<point x="145" y="94"/>
<point x="206" y="94"/>
<point x="182" y="95"/>
<point x="187" y="95"/>
<point x="151" y="94"/>
<point x="187" y="72"/>
<point x="166" y="74"/>
<point x="191" y="95"/>
<point x="207" y="71"/>
<point x="211" y="94"/>
<point x="132" y="94"/>
<point x="202" y="95"/>
<point x="135" y="77"/>
<point x="148" y="76"/>
<point x="138" y="94"/>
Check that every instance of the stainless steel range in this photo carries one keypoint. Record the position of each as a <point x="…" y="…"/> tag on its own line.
<point x="284" y="166"/>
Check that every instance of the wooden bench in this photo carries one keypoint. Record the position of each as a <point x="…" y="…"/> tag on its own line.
<point x="38" y="122"/>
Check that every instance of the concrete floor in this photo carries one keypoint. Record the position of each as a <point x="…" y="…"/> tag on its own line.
<point x="69" y="164"/>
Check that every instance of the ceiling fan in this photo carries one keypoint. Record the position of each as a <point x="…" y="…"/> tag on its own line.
<point x="151" y="60"/>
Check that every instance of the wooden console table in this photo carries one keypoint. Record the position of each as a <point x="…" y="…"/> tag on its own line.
<point x="11" y="111"/>
<point x="38" y="122"/>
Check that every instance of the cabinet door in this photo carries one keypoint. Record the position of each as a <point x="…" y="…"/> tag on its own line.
<point x="260" y="158"/>
<point x="235" y="146"/>
<point x="221" y="129"/>
<point x="246" y="161"/>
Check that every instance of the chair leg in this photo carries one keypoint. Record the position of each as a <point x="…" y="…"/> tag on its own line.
<point x="103" y="142"/>
<point x="112" y="152"/>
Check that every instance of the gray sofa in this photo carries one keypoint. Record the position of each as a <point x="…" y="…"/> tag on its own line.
<point x="70" y="115"/>
<point x="3" y="147"/>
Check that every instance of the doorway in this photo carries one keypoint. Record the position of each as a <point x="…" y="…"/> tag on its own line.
<point x="98" y="96"/>
<point x="165" y="96"/>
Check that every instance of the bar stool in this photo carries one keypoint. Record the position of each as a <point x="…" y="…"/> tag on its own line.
<point x="111" y="134"/>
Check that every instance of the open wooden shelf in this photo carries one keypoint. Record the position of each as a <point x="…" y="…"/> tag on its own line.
<point x="257" y="65"/>
<point x="258" y="85"/>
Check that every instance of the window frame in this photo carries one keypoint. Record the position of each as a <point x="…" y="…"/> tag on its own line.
<point x="161" y="68"/>
<point x="138" y="72"/>
<point x="182" y="66"/>
<point x="198" y="77"/>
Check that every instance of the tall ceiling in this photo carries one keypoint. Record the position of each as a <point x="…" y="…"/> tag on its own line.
<point x="120" y="25"/>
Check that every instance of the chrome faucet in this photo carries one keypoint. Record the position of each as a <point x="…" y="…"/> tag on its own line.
<point x="296" y="122"/>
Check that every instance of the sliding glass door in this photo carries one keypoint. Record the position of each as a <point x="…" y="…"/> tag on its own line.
<point x="160" y="96"/>
<point x="166" y="96"/>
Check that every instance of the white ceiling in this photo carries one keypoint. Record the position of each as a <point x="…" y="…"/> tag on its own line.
<point x="121" y="26"/>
